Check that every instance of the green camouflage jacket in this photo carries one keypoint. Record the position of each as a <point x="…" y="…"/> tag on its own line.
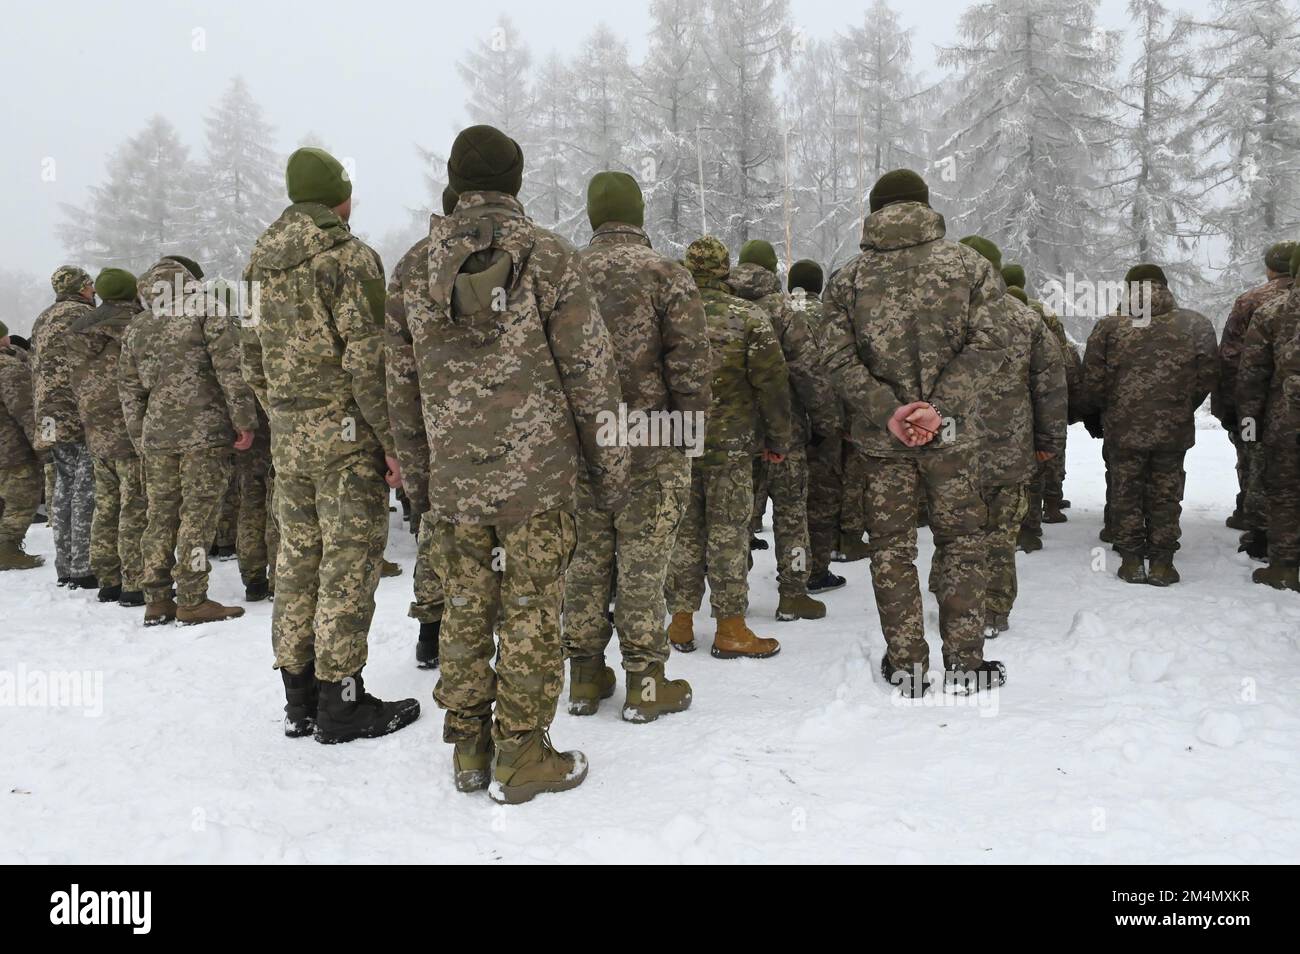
<point x="1224" y="400"/>
<point x="313" y="345"/>
<point x="1073" y="363"/>
<point x="95" y="348"/>
<point x="410" y="442"/>
<point x="514" y="367"/>
<point x="178" y="374"/>
<point x="1261" y="372"/>
<point x="914" y="317"/>
<point x="1147" y="377"/>
<point x="17" y="415"/>
<point x="56" y="406"/>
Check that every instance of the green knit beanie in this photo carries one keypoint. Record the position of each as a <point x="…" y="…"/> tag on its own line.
<point x="115" y="284"/>
<point x="4" y="330"/>
<point x="900" y="185"/>
<point x="1278" y="256"/>
<point x="707" y="257"/>
<point x="190" y="265"/>
<point x="1018" y="293"/>
<point x="449" y="200"/>
<point x="985" y="248"/>
<point x="313" y="175"/>
<point x="758" y="252"/>
<point x="1146" y="273"/>
<point x="805" y="274"/>
<point x="1014" y="276"/>
<point x="484" y="159"/>
<point x="614" y="197"/>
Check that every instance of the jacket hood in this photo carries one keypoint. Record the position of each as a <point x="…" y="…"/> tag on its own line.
<point x="107" y="322"/>
<point x="752" y="282"/>
<point x="901" y="225"/>
<point x="620" y="233"/>
<point x="302" y="231"/>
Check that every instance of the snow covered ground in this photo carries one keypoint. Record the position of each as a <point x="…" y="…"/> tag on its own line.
<point x="1137" y="725"/>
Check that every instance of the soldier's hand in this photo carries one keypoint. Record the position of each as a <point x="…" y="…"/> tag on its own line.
<point x="772" y="457"/>
<point x="911" y="423"/>
<point x="1043" y="456"/>
<point x="244" y="441"/>
<point x="394" y="476"/>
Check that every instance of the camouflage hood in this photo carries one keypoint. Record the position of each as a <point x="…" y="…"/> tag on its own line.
<point x="68" y="281"/>
<point x="105" y="323"/>
<point x="1162" y="300"/>
<point x="302" y="231"/>
<point x="752" y="282"/>
<point x="901" y="225"/>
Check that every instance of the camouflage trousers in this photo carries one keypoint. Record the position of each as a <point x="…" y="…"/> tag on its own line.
<point x="228" y="522"/>
<point x="713" y="539"/>
<point x="853" y="507"/>
<point x="1006" y="509"/>
<point x="118" y="527"/>
<point x="1053" y="490"/>
<point x="428" y="603"/>
<point x="256" y="534"/>
<point x="958" y="517"/>
<point x="333" y="530"/>
<point x="762" y="485"/>
<point x="20" y="493"/>
<point x="1146" y="495"/>
<point x="74" y="508"/>
<point x="825" y="495"/>
<point x="507" y="580"/>
<point x="1255" y="505"/>
<point x="184" y="501"/>
<point x="788" y="487"/>
<point x="1282" y="488"/>
<point x="639" y="540"/>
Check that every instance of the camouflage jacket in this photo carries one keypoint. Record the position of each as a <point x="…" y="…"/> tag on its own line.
<point x="410" y="441"/>
<point x="1262" y="374"/>
<point x="1224" y="400"/>
<point x="914" y="317"/>
<point x="95" y="348"/>
<point x="1147" y="377"/>
<point x="313" y="348"/>
<point x="1025" y="401"/>
<point x="514" y="366"/>
<point x="1069" y="356"/>
<point x="812" y="400"/>
<point x="17" y="415"/>
<point x="56" y="406"/>
<point x="178" y="374"/>
<point x="656" y="323"/>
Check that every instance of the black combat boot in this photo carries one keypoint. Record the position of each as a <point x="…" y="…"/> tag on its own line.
<point x="347" y="712"/>
<point x="757" y="543"/>
<point x="1254" y="543"/>
<point x="826" y="580"/>
<point x="256" y="591"/>
<point x="83" y="583"/>
<point x="1132" y="568"/>
<point x="110" y="594"/>
<point x="426" y="650"/>
<point x="968" y="680"/>
<point x="911" y="682"/>
<point x="301" y="698"/>
<point x="131" y="598"/>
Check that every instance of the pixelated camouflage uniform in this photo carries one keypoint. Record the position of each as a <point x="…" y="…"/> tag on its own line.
<point x="1047" y="485"/>
<point x="20" y="471"/>
<point x="58" y="426"/>
<point x="1264" y="418"/>
<point x="313" y="352"/>
<point x="750" y="395"/>
<point x="94" y="351"/>
<point x="661" y="348"/>
<point x="1147" y="376"/>
<point x="815" y="415"/>
<point x="498" y="334"/>
<point x="917" y="318"/>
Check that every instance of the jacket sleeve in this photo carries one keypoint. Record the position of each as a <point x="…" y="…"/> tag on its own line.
<point x="1207" y="360"/>
<point x="803" y="363"/>
<point x="1255" y="369"/>
<point x="1093" y="390"/>
<point x="1048" y="390"/>
<point x="688" y="365"/>
<point x="221" y="334"/>
<point x="956" y="392"/>
<point x="358" y="312"/>
<point x="863" y="394"/>
<point x="1234" y="334"/>
<point x="133" y="394"/>
<point x="584" y="358"/>
<point x="769" y="376"/>
<point x="410" y="442"/>
<point x="17" y="397"/>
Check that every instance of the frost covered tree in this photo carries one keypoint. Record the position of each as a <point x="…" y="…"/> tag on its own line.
<point x="242" y="184"/>
<point x="22" y="297"/>
<point x="496" y="74"/>
<point x="553" y="195"/>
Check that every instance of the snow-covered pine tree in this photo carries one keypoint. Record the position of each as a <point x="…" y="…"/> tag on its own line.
<point x="496" y="73"/>
<point x="554" y="196"/>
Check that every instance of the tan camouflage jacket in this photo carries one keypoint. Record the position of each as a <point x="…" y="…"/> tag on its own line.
<point x="514" y="366"/>
<point x="1261" y="373"/>
<point x="313" y="345"/>
<point x="812" y="400"/>
<point x="1148" y="377"/>
<point x="1073" y="363"/>
<point x="56" y="406"/>
<point x="94" y="349"/>
<point x="656" y="323"/>
<point x="1025" y="401"/>
<point x="178" y="374"/>
<point x="1224" y="400"/>
<point x="17" y="414"/>
<point x="914" y="317"/>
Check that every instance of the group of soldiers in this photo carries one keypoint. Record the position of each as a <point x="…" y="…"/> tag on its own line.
<point x="917" y="385"/>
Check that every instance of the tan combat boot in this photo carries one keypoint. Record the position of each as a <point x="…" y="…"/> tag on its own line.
<point x="590" y="680"/>
<point x="388" y="568"/>
<point x="681" y="632"/>
<point x="209" y="611"/>
<point x="651" y="694"/>
<point x="471" y="761"/>
<point x="159" y="612"/>
<point x="734" y="640"/>
<point x="529" y="765"/>
<point x="1279" y="574"/>
<point x="799" y="607"/>
<point x="14" y="557"/>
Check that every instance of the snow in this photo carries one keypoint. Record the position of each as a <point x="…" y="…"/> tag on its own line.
<point x="1137" y="724"/>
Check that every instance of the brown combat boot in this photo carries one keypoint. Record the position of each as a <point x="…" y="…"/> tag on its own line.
<point x="802" y="606"/>
<point x="681" y="632"/>
<point x="14" y="557"/>
<point x="1052" y="514"/>
<point x="590" y="680"/>
<point x="162" y="611"/>
<point x="389" y="568"/>
<point x="209" y="611"/>
<point x="735" y="640"/>
<point x="1279" y="574"/>
<point x="651" y="694"/>
<point x="1132" y="568"/>
<point x="1161" y="572"/>
<point x="530" y="765"/>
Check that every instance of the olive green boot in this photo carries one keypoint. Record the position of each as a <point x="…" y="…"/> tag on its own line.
<point x="209" y="611"/>
<point x="1279" y="574"/>
<point x="1162" y="572"/>
<point x="1132" y="568"/>
<point x="651" y="694"/>
<point x="851" y="549"/>
<point x="528" y="765"/>
<point x="471" y="761"/>
<point x="590" y="680"/>
<point x="14" y="557"/>
<point x="802" y="606"/>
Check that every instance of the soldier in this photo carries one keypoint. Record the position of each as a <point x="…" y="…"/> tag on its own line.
<point x="661" y="348"/>
<point x="185" y="407"/>
<point x="914" y="335"/>
<point x="515" y="370"/>
<point x="1249" y="515"/>
<point x="58" y="428"/>
<point x="313" y="354"/>
<point x="815" y="417"/>
<point x="1146" y="370"/>
<point x="20" y="471"/>
<point x="94" y="350"/>
<point x="825" y="451"/>
<point x="1264" y="417"/>
<point x="750" y="385"/>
